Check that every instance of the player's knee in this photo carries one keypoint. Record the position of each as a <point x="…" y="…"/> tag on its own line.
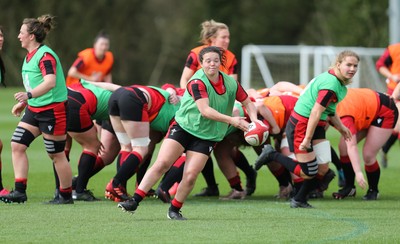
<point x="323" y="168"/>
<point x="161" y="166"/>
<point x="191" y="177"/>
<point x="369" y="156"/>
<point x="53" y="147"/>
<point x="310" y="169"/>
<point x="22" y="136"/>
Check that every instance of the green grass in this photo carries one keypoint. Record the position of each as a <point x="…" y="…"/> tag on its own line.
<point x="258" y="219"/>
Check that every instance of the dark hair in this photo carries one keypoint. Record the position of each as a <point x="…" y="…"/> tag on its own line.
<point x="210" y="49"/>
<point x="101" y="34"/>
<point x="40" y="27"/>
<point x="2" y="68"/>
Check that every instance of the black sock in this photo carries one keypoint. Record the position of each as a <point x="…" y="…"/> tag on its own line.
<point x="282" y="175"/>
<point x="335" y="159"/>
<point x="389" y="143"/>
<point x="348" y="171"/>
<point x="175" y="205"/>
<point x="137" y="198"/>
<point x="57" y="180"/>
<point x="235" y="183"/>
<point x="20" y="186"/>
<point x="98" y="166"/>
<point x="297" y="185"/>
<point x="173" y="175"/>
<point x="120" y="158"/>
<point x="143" y="168"/>
<point x="66" y="193"/>
<point x="118" y="164"/>
<point x="243" y="164"/>
<point x="127" y="170"/>
<point x="287" y="162"/>
<point x="306" y="187"/>
<point x="85" y="166"/>
<point x="1" y="166"/>
<point x="373" y="173"/>
<point x="208" y="173"/>
<point x="1" y="179"/>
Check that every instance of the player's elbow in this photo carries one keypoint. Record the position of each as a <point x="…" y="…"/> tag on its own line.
<point x="72" y="72"/>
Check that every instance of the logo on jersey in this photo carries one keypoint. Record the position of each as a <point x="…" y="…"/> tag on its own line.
<point x="172" y="132"/>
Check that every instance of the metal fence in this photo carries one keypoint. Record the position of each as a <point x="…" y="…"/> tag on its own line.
<point x="264" y="65"/>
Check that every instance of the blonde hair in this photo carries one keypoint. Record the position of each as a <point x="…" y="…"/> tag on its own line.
<point x="346" y="53"/>
<point x="40" y="27"/>
<point x="342" y="55"/>
<point x="209" y="29"/>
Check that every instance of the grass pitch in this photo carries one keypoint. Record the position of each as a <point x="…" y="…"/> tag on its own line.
<point x="258" y="219"/>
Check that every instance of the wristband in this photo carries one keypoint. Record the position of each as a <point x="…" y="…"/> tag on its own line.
<point x="29" y="94"/>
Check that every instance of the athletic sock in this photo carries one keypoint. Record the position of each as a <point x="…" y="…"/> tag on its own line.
<point x="335" y="159"/>
<point x="1" y="179"/>
<point x="143" y="168"/>
<point x="236" y="183"/>
<point x="243" y="164"/>
<point x="120" y="162"/>
<point x="175" y="205"/>
<point x="373" y="173"/>
<point x="348" y="170"/>
<point x="319" y="179"/>
<point x="305" y="189"/>
<point x="128" y="169"/>
<point x="208" y="173"/>
<point x="389" y="143"/>
<point x="66" y="193"/>
<point x="282" y="175"/>
<point x="297" y="183"/>
<point x="98" y="166"/>
<point x="20" y="184"/>
<point x="86" y="163"/>
<point x="173" y="175"/>
<point x="57" y="180"/>
<point x="67" y="152"/>
<point x="139" y="195"/>
<point x="121" y="157"/>
<point x="287" y="162"/>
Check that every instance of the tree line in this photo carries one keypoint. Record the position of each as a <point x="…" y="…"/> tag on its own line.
<point x="151" y="39"/>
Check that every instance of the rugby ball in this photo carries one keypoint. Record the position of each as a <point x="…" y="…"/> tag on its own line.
<point x="257" y="133"/>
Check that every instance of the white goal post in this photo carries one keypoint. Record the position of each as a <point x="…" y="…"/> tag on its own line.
<point x="264" y="65"/>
